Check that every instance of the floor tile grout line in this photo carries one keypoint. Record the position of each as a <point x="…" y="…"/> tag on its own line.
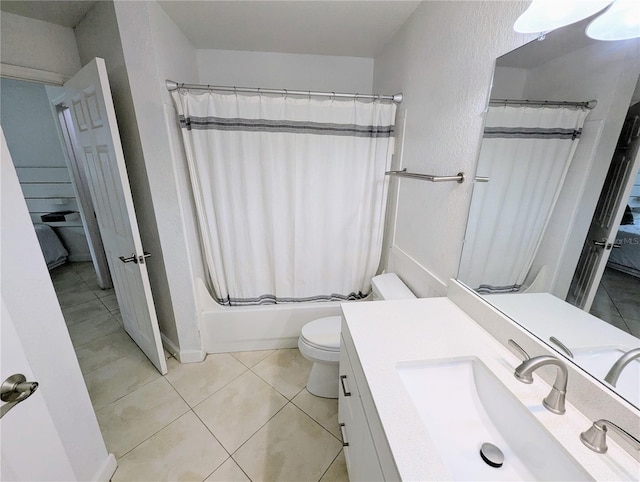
<point x="323" y="427"/>
<point x="211" y="394"/>
<point x="312" y="418"/>
<point x="150" y="436"/>
<point x="117" y="359"/>
<point x="213" y="435"/>
<point x="243" y="471"/>
<point x="122" y="396"/>
<point x="99" y="337"/>
<point x="332" y="462"/>
<point x="254" y="433"/>
<point x="615" y="304"/>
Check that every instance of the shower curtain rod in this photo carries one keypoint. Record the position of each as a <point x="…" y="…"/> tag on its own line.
<point x="172" y="85"/>
<point x="544" y="103"/>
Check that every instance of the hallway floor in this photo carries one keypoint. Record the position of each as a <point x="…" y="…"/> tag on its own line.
<point x="234" y="417"/>
<point x="617" y="301"/>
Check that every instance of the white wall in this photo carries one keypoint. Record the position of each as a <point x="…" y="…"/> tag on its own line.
<point x="285" y="71"/>
<point x="442" y="59"/>
<point x="153" y="50"/>
<point x="98" y="35"/>
<point x="32" y="136"/>
<point x="606" y="72"/>
<point x="38" y="45"/>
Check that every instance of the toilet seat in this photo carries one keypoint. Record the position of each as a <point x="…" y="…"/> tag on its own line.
<point x="323" y="333"/>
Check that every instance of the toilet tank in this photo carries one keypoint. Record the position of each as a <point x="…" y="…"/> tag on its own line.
<point x="389" y="287"/>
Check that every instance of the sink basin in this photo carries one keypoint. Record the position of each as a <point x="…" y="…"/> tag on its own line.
<point x="598" y="361"/>
<point x="463" y="405"/>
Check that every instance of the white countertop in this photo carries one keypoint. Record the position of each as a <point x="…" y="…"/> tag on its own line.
<point x="546" y="315"/>
<point x="386" y="333"/>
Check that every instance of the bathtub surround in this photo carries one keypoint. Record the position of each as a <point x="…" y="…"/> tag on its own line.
<point x="290" y="193"/>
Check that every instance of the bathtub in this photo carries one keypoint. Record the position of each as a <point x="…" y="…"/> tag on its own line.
<point x="247" y="328"/>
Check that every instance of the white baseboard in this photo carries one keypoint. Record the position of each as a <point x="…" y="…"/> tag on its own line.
<point x="107" y="470"/>
<point x="253" y="345"/>
<point x="183" y="356"/>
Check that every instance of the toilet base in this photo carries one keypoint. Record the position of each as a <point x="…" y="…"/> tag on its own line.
<point x="324" y="379"/>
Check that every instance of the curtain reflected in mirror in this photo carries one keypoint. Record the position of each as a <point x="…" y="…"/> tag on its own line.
<point x="556" y="169"/>
<point x="526" y="153"/>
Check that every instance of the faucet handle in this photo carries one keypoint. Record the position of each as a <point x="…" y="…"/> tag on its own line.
<point x="519" y="350"/>
<point x="595" y="437"/>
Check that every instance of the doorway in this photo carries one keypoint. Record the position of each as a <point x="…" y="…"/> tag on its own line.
<point x="617" y="299"/>
<point x="606" y="282"/>
<point x="39" y="149"/>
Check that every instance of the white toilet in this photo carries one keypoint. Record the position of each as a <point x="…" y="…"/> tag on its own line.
<point x="320" y="339"/>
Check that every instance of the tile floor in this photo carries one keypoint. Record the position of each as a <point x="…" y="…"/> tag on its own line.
<point x="234" y="417"/>
<point x="617" y="301"/>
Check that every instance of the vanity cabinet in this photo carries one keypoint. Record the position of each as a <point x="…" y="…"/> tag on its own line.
<point x="366" y="450"/>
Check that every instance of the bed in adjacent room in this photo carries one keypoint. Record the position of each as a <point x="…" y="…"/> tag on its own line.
<point x="54" y="252"/>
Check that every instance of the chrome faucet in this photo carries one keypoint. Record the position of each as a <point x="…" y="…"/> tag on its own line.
<point x="595" y="437"/>
<point x="554" y="402"/>
<point x="614" y="372"/>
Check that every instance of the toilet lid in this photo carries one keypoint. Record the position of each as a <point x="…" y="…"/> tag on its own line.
<point x="323" y="332"/>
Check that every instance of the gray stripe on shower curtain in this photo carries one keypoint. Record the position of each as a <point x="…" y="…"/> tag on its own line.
<point x="530" y="133"/>
<point x="269" y="125"/>
<point x="273" y="300"/>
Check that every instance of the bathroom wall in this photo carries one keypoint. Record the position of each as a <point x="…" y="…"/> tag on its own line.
<point x="100" y="34"/>
<point x="30" y="128"/>
<point x="285" y="71"/>
<point x="38" y="45"/>
<point x="442" y="59"/>
<point x="154" y="50"/>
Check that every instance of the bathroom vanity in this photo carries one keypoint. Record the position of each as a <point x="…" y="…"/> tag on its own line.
<point x="423" y="385"/>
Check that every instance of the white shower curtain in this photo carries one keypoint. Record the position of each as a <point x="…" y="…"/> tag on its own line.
<point x="290" y="193"/>
<point x="526" y="152"/>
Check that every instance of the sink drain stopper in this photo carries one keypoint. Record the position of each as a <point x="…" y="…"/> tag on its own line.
<point x="492" y="455"/>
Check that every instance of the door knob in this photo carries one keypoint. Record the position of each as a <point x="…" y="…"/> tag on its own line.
<point x="135" y="259"/>
<point x="129" y="259"/>
<point x="605" y="245"/>
<point x="14" y="390"/>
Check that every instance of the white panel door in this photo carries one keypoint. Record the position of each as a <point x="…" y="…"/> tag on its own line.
<point x="608" y="215"/>
<point x="31" y="448"/>
<point x="88" y="97"/>
<point x="31" y="330"/>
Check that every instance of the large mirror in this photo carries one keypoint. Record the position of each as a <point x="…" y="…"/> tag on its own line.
<point x="553" y="237"/>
